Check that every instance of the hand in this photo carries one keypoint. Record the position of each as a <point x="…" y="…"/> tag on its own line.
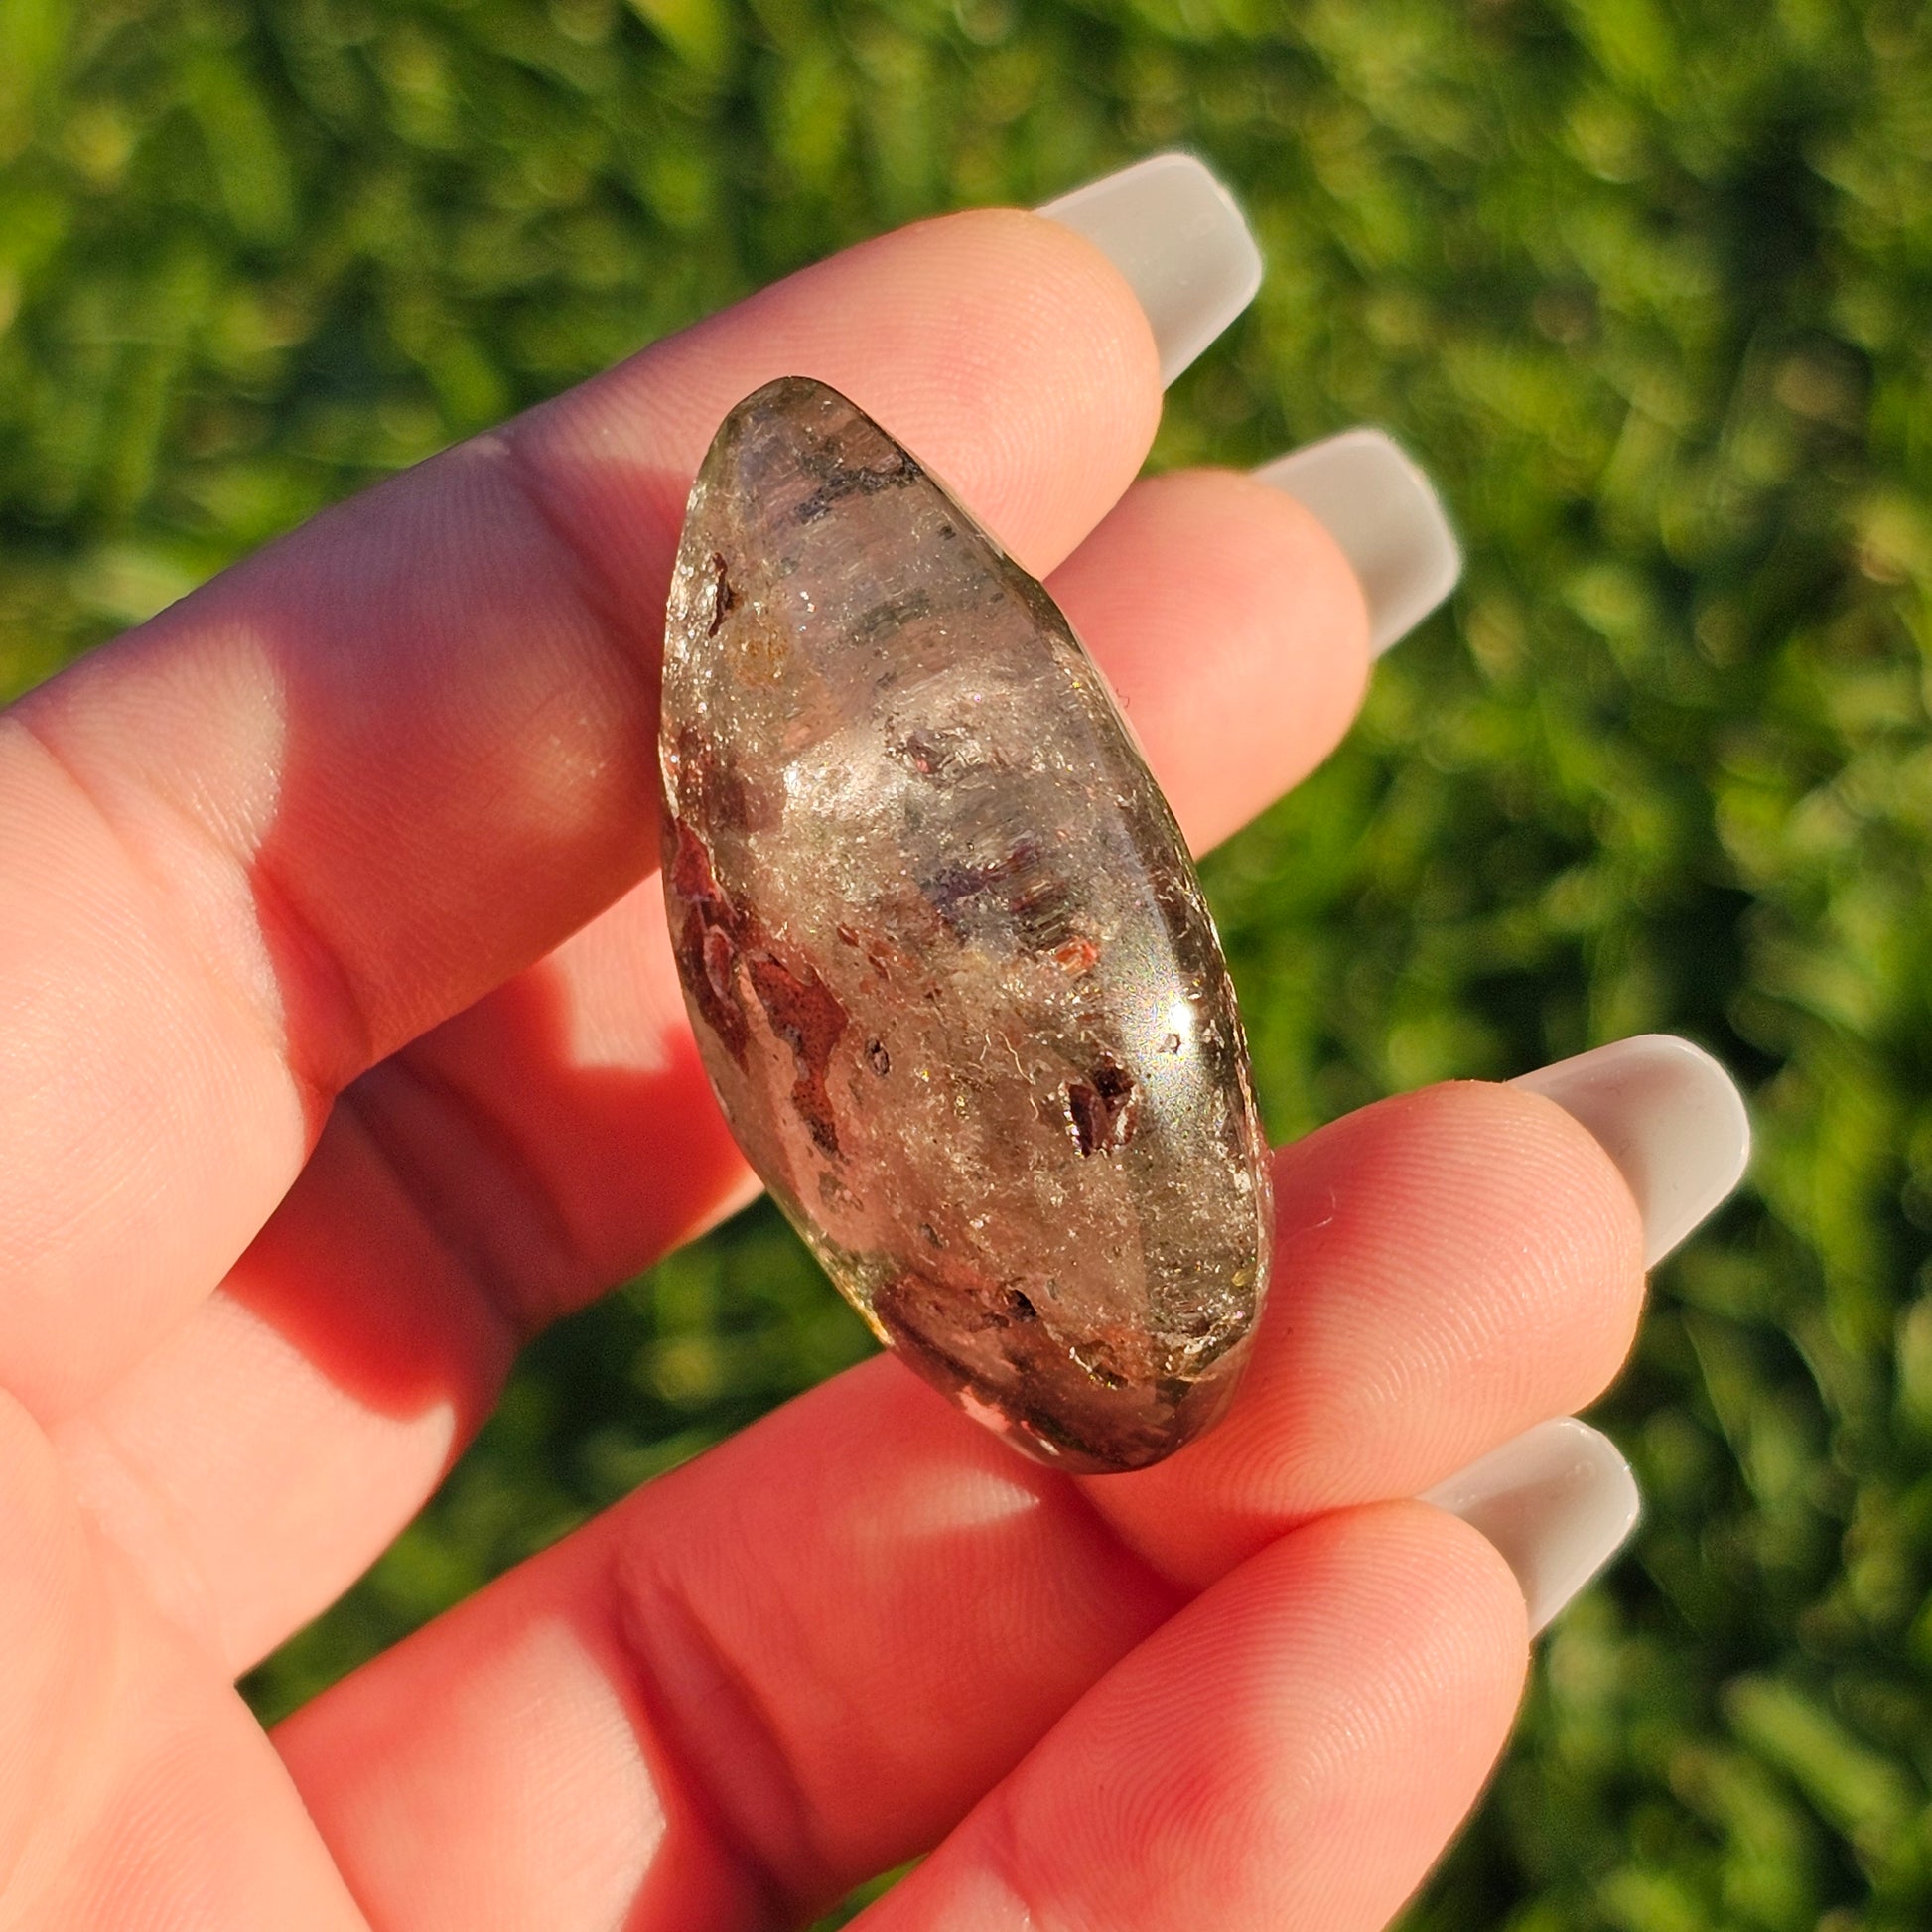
<point x="343" y="1052"/>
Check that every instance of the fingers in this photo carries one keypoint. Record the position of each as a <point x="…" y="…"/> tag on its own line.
<point x="1294" y="1748"/>
<point x="561" y="1134"/>
<point x="707" y="1744"/>
<point x="793" y="1640"/>
<point x="350" y="786"/>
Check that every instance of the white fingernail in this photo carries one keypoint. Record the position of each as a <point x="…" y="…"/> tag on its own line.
<point x="1170" y="227"/>
<point x="1669" y="1116"/>
<point x="1384" y="512"/>
<point x="1559" y="1501"/>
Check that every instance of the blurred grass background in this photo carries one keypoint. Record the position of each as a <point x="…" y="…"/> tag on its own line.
<point x="1647" y="287"/>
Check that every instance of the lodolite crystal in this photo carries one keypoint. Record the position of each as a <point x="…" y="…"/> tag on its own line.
<point x="944" y="951"/>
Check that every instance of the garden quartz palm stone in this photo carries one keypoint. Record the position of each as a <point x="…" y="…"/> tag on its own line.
<point x="944" y="950"/>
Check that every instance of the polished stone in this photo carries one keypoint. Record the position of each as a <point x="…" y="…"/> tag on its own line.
<point x="944" y="950"/>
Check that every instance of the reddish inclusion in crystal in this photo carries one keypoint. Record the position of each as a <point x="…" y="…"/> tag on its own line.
<point x="944" y="951"/>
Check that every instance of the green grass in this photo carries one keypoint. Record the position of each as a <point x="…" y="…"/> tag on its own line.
<point x="1646" y="285"/>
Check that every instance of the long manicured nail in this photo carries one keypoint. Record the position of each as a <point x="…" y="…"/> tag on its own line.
<point x="1669" y="1116"/>
<point x="1559" y="1501"/>
<point x="1170" y="227"/>
<point x="1385" y="514"/>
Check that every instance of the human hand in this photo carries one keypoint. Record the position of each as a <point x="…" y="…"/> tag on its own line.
<point x="343" y="1049"/>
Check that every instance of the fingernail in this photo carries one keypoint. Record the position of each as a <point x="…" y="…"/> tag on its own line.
<point x="1384" y="512"/>
<point x="1669" y="1116"/>
<point x="1170" y="227"/>
<point x="1559" y="1501"/>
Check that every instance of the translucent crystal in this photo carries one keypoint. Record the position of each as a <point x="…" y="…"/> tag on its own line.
<point x="944" y="950"/>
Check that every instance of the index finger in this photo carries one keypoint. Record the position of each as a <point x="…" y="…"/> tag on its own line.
<point x="354" y="783"/>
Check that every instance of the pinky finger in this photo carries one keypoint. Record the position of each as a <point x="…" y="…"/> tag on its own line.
<point x="1294" y="1748"/>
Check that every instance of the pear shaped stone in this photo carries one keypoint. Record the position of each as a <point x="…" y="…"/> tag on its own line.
<point x="944" y="950"/>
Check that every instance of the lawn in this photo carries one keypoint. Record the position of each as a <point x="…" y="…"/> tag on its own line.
<point x="1647" y="286"/>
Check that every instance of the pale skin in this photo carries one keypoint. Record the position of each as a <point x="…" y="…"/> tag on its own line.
<point x="343" y="1052"/>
